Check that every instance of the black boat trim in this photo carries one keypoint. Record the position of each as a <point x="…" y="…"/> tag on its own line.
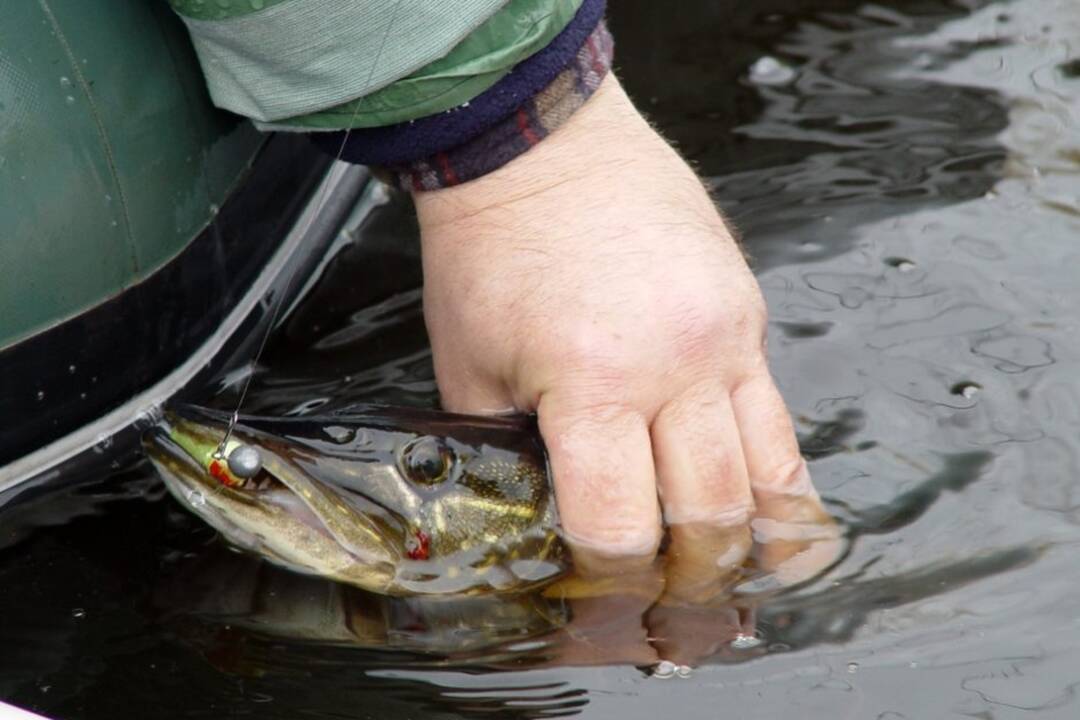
<point x="242" y="257"/>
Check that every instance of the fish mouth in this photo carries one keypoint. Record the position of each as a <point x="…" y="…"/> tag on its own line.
<point x="278" y="500"/>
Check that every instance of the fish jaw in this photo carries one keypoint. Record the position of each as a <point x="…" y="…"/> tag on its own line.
<point x="279" y="524"/>
<point x="489" y="528"/>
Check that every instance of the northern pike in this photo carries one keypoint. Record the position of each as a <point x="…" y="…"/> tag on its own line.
<point x="395" y="501"/>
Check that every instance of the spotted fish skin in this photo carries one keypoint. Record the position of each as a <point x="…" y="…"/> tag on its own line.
<point x="393" y="500"/>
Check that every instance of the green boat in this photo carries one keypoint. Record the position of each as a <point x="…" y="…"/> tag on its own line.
<point x="144" y="228"/>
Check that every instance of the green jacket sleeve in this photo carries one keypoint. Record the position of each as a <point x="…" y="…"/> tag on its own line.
<point x="275" y="59"/>
<point x="484" y="57"/>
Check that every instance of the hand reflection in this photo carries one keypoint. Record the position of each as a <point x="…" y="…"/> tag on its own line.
<point x="681" y="608"/>
<point x="672" y="611"/>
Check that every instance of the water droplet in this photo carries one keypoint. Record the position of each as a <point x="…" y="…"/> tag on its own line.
<point x="853" y="667"/>
<point x="664" y="669"/>
<point x="78" y="613"/>
<point x="902" y="264"/>
<point x="744" y="642"/>
<point x="339" y="434"/>
<point x="70" y="100"/>
<point x="966" y="389"/>
<point x="767" y="70"/>
<point x="684" y="671"/>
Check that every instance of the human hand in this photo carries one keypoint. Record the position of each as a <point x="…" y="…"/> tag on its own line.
<point x="591" y="280"/>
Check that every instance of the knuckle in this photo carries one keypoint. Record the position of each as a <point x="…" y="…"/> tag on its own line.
<point x="593" y="357"/>
<point x="723" y="514"/>
<point x="620" y="539"/>
<point x="787" y="477"/>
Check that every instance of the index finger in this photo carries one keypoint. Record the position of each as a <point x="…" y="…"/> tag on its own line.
<point x="605" y="485"/>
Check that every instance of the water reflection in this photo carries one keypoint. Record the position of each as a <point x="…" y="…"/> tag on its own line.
<point x="910" y="197"/>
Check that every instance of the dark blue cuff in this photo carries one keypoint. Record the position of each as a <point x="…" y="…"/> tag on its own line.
<point x="424" y="137"/>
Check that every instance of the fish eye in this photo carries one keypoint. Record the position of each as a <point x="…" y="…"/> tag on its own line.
<point x="427" y="460"/>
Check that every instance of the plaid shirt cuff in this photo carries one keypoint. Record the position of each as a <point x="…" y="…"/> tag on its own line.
<point x="534" y="120"/>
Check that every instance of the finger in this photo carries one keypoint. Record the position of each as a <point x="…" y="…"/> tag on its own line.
<point x="705" y="493"/>
<point x="687" y="635"/>
<point x="796" y="536"/>
<point x="604" y="631"/>
<point x="703" y="561"/>
<point x="773" y="461"/>
<point x="604" y="480"/>
<point x="699" y="462"/>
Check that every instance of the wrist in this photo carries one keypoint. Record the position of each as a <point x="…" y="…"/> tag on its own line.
<point x="606" y="144"/>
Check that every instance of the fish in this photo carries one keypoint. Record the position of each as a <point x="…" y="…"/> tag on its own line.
<point x="396" y="501"/>
<point x="202" y="595"/>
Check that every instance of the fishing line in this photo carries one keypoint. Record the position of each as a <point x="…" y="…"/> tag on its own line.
<point x="319" y="204"/>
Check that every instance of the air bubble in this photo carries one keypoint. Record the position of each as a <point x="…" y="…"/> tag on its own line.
<point x="78" y="613"/>
<point x="901" y="264"/>
<point x="768" y="70"/>
<point x="339" y="434"/>
<point x="966" y="389"/>
<point x="664" y="669"/>
<point x="65" y="81"/>
<point x="745" y="642"/>
<point x="103" y="442"/>
<point x="70" y="100"/>
<point x="852" y="667"/>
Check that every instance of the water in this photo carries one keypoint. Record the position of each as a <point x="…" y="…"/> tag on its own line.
<point x="911" y="198"/>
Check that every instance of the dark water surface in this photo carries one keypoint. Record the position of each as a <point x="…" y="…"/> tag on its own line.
<point x="906" y="176"/>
